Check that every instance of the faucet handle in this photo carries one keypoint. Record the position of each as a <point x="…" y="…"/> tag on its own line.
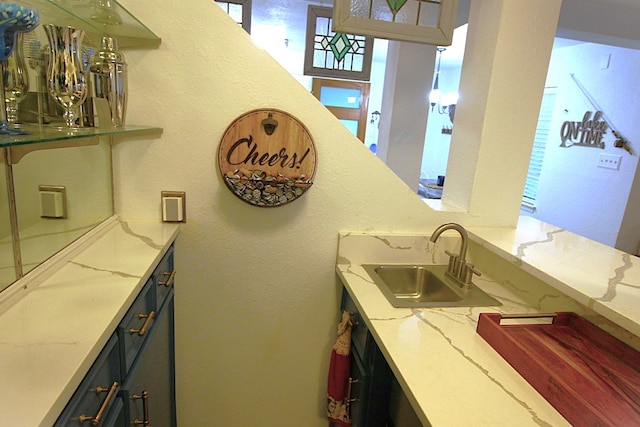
<point x="452" y="255"/>
<point x="454" y="262"/>
<point x="466" y="273"/>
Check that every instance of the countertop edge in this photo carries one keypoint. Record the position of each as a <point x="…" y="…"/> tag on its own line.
<point x="545" y="252"/>
<point x="116" y="261"/>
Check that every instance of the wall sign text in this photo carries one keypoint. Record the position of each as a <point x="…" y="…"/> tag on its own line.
<point x="267" y="158"/>
<point x="587" y="133"/>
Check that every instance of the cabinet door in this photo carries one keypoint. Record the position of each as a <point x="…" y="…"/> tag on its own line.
<point x="163" y="277"/>
<point x="97" y="394"/>
<point x="134" y="329"/>
<point x="379" y="387"/>
<point x="359" y="384"/>
<point x="116" y="417"/>
<point x="149" y="392"/>
<point x="368" y="365"/>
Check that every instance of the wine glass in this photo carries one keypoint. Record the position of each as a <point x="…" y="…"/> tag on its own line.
<point x="14" y="19"/>
<point x="66" y="77"/>
<point x="16" y="79"/>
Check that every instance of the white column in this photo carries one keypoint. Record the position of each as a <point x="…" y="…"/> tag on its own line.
<point x="507" y="54"/>
<point x="405" y="105"/>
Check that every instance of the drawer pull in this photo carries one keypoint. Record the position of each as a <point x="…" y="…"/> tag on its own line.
<point x="149" y="318"/>
<point x="351" y="381"/>
<point x="145" y="409"/>
<point x="169" y="281"/>
<point x="105" y="404"/>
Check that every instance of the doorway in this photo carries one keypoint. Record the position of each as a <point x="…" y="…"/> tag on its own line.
<point x="348" y="100"/>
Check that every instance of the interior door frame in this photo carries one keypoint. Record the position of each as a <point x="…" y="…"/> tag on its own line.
<point x="357" y="114"/>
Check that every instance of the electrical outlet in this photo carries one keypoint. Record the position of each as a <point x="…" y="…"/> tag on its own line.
<point x="609" y="161"/>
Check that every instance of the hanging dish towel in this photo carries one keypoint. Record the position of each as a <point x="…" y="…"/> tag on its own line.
<point x="339" y="368"/>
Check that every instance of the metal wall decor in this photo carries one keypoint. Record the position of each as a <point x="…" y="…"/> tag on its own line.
<point x="586" y="133"/>
<point x="422" y="21"/>
<point x="267" y="158"/>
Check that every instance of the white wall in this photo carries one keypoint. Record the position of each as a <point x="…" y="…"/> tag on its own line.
<point x="436" y="144"/>
<point x="256" y="295"/>
<point x="375" y="93"/>
<point x="574" y="192"/>
<point x="404" y="102"/>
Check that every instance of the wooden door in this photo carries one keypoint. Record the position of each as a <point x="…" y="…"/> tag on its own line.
<point x="348" y="100"/>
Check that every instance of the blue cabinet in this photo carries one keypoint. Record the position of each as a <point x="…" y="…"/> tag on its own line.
<point x="98" y="392"/>
<point x="132" y="382"/>
<point x="371" y="376"/>
<point x="149" y="389"/>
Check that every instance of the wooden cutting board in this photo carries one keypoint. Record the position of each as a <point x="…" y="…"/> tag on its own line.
<point x="589" y="376"/>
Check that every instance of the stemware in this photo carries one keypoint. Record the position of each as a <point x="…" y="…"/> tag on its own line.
<point x="16" y="79"/>
<point x="66" y="77"/>
<point x="14" y="19"/>
<point x="105" y="12"/>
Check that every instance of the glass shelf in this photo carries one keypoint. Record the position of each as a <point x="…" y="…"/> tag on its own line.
<point x="43" y="134"/>
<point x="97" y="17"/>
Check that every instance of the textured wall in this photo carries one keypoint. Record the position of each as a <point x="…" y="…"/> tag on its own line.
<point x="257" y="295"/>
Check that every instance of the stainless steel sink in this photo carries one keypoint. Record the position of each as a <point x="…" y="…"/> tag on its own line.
<point x="425" y="286"/>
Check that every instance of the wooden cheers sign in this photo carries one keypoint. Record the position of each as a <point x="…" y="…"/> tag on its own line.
<point x="267" y="158"/>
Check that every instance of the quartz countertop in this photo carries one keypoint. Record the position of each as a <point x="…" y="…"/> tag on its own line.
<point x="449" y="374"/>
<point x="53" y="328"/>
<point x="39" y="241"/>
<point x="602" y="278"/>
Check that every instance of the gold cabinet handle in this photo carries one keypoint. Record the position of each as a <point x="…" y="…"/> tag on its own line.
<point x="169" y="281"/>
<point x="95" y="420"/>
<point x="145" y="408"/>
<point x="147" y="323"/>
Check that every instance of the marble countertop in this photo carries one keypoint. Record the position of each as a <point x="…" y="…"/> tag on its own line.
<point x="602" y="278"/>
<point x="449" y="374"/>
<point x="51" y="332"/>
<point x="39" y="241"/>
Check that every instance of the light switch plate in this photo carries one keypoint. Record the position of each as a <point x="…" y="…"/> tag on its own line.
<point x="174" y="206"/>
<point x="609" y="161"/>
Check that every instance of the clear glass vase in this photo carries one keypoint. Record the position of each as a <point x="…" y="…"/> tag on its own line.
<point x="15" y="80"/>
<point x="66" y="77"/>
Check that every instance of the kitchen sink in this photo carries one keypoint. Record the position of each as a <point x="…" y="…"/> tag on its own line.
<point x="425" y="286"/>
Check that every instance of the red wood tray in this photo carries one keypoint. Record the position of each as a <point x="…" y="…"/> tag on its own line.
<point x="589" y="376"/>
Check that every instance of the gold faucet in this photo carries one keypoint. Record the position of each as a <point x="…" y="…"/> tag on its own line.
<point x="458" y="270"/>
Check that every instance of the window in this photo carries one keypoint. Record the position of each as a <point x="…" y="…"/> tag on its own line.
<point x="239" y="10"/>
<point x="539" y="146"/>
<point x="335" y="55"/>
<point x="422" y="21"/>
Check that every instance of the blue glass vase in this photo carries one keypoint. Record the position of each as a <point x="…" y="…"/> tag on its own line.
<point x="14" y="19"/>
